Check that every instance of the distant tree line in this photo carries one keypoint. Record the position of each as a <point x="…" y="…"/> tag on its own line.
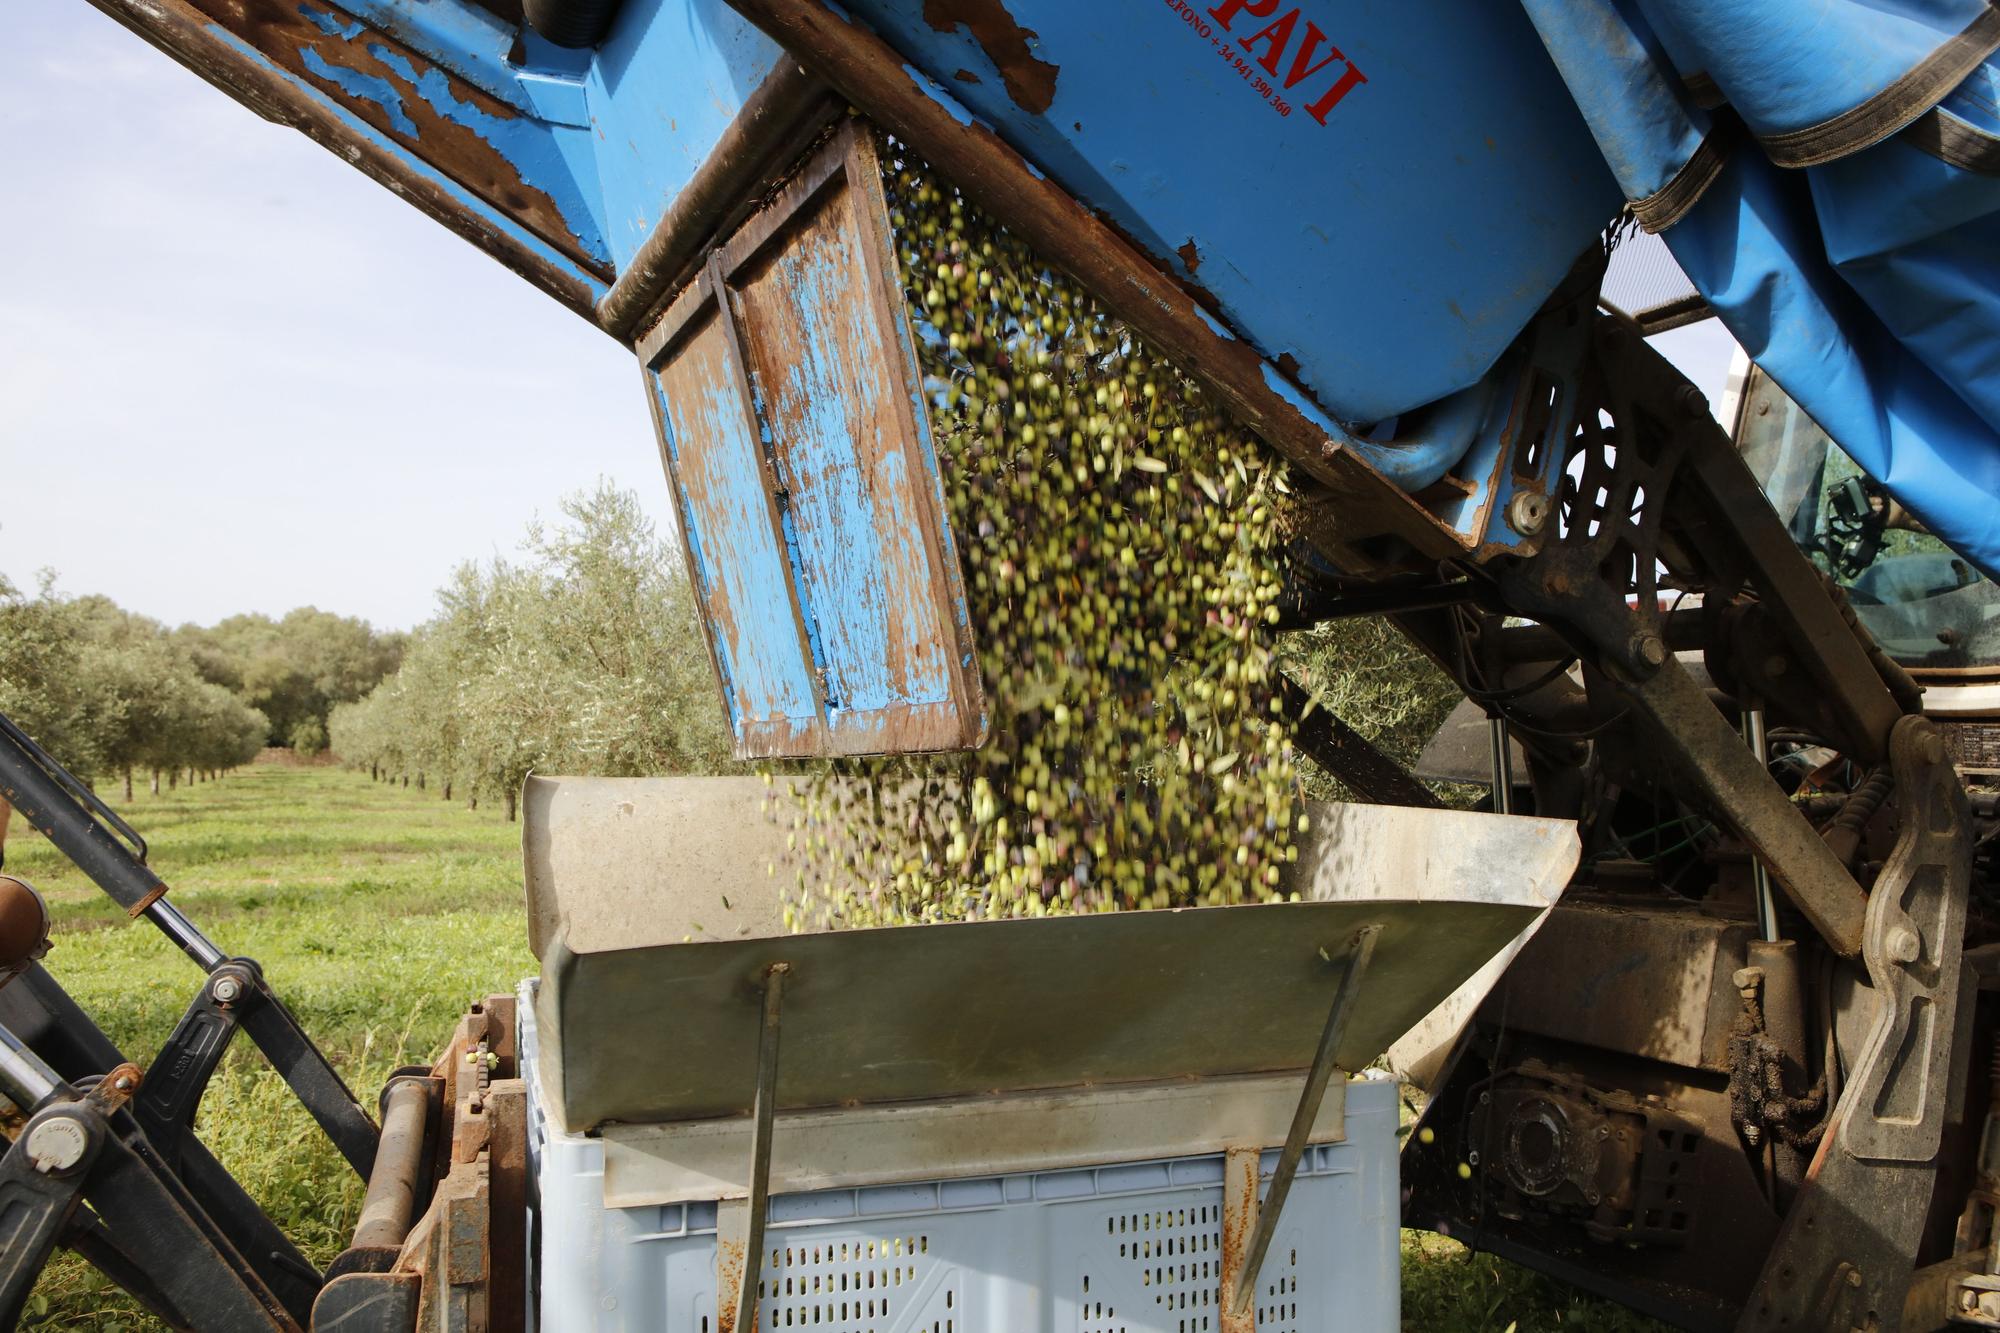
<point x="111" y="693"/>
<point x="583" y="656"/>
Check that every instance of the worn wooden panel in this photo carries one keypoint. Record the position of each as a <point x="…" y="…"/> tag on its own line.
<point x="799" y="317"/>
<point x="839" y="421"/>
<point x="733" y="549"/>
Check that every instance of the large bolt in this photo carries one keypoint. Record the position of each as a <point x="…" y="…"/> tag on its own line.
<point x="226" y="989"/>
<point x="1649" y="651"/>
<point x="1905" y="946"/>
<point x="57" y="1145"/>
<point x="1527" y="512"/>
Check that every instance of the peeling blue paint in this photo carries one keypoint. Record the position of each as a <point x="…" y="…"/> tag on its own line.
<point x="1215" y="326"/>
<point x="528" y="144"/>
<point x="738" y="566"/>
<point x="864" y="573"/>
<point x="473" y="206"/>
<point x="363" y="88"/>
<point x="1307" y="408"/>
<point x="333" y="25"/>
<point x="939" y="95"/>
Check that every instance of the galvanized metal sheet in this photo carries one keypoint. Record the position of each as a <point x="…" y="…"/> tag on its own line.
<point x="923" y="1012"/>
<point x="1357" y="853"/>
<point x="795" y="428"/>
<point x="1069" y="1129"/>
<point x="622" y="863"/>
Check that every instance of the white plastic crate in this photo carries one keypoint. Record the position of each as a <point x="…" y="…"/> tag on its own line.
<point x="1126" y="1248"/>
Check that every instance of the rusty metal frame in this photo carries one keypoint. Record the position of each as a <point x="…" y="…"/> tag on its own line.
<point x="775" y="125"/>
<point x="1243" y="1286"/>
<point x="847" y="160"/>
<point x="764" y="1112"/>
<point x="1843" y="1259"/>
<point x="206" y="43"/>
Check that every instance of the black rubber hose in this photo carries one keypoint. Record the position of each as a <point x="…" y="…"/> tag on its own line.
<point x="572" y="23"/>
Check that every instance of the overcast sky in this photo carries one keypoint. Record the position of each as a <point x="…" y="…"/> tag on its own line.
<point x="237" y="375"/>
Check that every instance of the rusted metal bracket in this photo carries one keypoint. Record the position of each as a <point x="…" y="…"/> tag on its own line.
<point x="1244" y="1286"/>
<point x="1736" y="781"/>
<point x="764" y="1112"/>
<point x="1844" y="1257"/>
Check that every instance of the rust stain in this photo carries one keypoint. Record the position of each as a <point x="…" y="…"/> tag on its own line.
<point x="1189" y="255"/>
<point x="966" y="76"/>
<point x="1239" y="1217"/>
<point x="351" y="52"/>
<point x="729" y="1257"/>
<point x="1030" y="81"/>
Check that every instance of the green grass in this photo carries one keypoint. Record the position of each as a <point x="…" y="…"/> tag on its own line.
<point x="378" y="913"/>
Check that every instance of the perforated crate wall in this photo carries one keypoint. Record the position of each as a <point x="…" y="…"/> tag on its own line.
<point x="1117" y="1249"/>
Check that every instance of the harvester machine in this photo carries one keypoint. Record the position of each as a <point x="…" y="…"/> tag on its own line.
<point x="1696" y="1004"/>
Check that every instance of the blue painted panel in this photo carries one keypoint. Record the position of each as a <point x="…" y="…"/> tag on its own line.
<point x="662" y="89"/>
<point x="738" y="567"/>
<point x="829" y="391"/>
<point x="1393" y="251"/>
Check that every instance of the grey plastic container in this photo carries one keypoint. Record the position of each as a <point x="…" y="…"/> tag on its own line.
<point x="1122" y="1248"/>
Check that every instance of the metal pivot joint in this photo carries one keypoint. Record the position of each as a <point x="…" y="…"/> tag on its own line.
<point x="1324" y="1065"/>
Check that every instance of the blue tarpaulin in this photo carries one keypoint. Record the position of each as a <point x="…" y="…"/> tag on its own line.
<point x="1827" y="173"/>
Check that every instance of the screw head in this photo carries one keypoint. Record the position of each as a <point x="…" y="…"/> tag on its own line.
<point x="57" y="1145"/>
<point x="1650" y="651"/>
<point x="226" y="989"/>
<point x="1528" y="512"/>
<point x="1904" y="945"/>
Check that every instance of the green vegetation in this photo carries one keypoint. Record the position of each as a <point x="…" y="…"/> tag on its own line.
<point x="378" y="915"/>
<point x="582" y="657"/>
<point x="112" y="692"/>
<point x="379" y="912"/>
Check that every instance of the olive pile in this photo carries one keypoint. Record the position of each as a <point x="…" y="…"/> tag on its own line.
<point x="1120" y="539"/>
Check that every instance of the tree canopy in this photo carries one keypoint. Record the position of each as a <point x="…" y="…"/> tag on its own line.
<point x="583" y="656"/>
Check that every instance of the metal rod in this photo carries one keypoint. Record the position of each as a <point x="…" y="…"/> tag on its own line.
<point x="1760" y="874"/>
<point x="47" y="797"/>
<point x="185" y="934"/>
<point x="1503" y="765"/>
<point x="765" y="1112"/>
<point x="1317" y="1078"/>
<point x="391" y="1199"/>
<point x="26" y="1080"/>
